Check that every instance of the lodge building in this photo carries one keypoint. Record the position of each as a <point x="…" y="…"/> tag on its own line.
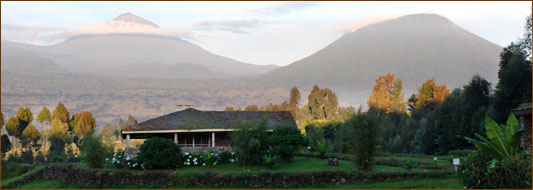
<point x="198" y="131"/>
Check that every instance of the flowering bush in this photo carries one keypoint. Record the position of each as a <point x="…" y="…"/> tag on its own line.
<point x="117" y="159"/>
<point x="208" y="159"/>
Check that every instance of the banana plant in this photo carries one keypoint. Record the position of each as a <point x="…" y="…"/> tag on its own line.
<point x="322" y="147"/>
<point x="502" y="141"/>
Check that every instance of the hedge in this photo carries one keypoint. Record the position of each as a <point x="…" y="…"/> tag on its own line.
<point x="105" y="178"/>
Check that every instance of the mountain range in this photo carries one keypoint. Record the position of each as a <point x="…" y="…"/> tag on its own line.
<point x="146" y="75"/>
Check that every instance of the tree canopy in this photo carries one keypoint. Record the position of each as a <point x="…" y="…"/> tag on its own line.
<point x="387" y="95"/>
<point x="61" y="113"/>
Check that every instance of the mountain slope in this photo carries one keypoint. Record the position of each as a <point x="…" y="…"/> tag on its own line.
<point x="414" y="47"/>
<point x="99" y="50"/>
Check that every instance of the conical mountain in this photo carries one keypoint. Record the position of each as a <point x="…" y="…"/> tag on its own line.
<point x="414" y="47"/>
<point x="128" y="44"/>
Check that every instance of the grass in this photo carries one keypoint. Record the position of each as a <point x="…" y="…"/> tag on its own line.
<point x="297" y="164"/>
<point x="8" y="181"/>
<point x="440" y="160"/>
<point x="449" y="182"/>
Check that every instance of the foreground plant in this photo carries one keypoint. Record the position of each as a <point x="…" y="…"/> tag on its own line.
<point x="502" y="142"/>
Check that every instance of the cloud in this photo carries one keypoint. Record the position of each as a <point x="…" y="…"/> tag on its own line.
<point x="353" y="26"/>
<point x="34" y="34"/>
<point x="51" y="35"/>
<point x="230" y="25"/>
<point x="282" y="8"/>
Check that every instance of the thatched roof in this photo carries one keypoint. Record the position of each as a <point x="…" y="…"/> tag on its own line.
<point x="196" y="119"/>
<point x="523" y="109"/>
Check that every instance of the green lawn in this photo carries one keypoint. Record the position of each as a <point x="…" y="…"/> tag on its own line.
<point x="297" y="164"/>
<point x="449" y="182"/>
<point x="440" y="159"/>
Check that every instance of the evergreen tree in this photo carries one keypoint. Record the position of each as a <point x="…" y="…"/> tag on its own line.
<point x="44" y="117"/>
<point x="6" y="145"/>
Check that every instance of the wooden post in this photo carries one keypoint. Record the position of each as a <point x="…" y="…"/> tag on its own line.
<point x="213" y="139"/>
<point x="192" y="139"/>
<point x="176" y="138"/>
<point x="128" y="141"/>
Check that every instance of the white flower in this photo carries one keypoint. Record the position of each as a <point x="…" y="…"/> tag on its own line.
<point x="184" y="163"/>
<point x="190" y="156"/>
<point x="308" y="147"/>
<point x="186" y="153"/>
<point x="76" y="156"/>
<point x="106" y="159"/>
<point x="128" y="158"/>
<point x="188" y="160"/>
<point x="203" y="164"/>
<point x="232" y="153"/>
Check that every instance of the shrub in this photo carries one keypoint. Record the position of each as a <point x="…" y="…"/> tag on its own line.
<point x="27" y="156"/>
<point x="56" y="159"/>
<point x="249" y="141"/>
<point x="270" y="160"/>
<point x="93" y="151"/>
<point x="159" y="153"/>
<point x="511" y="173"/>
<point x="227" y="158"/>
<point x="39" y="158"/>
<point x="322" y="147"/>
<point x="210" y="158"/>
<point x="364" y="130"/>
<point x="193" y="159"/>
<point x="14" y="157"/>
<point x="285" y="141"/>
<point x="5" y="144"/>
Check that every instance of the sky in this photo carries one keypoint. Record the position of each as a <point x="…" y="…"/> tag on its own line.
<point x="261" y="33"/>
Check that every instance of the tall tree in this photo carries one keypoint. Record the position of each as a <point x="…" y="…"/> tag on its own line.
<point x="475" y="101"/>
<point x="132" y="121"/>
<point x="322" y="103"/>
<point x="61" y="113"/>
<point x="58" y="136"/>
<point x="1" y="119"/>
<point x="514" y="85"/>
<point x="295" y="96"/>
<point x="12" y="127"/>
<point x="387" y="95"/>
<point x="25" y="117"/>
<point x="44" y="118"/>
<point x="429" y="95"/>
<point x="30" y="136"/>
<point x="85" y="125"/>
<point x="6" y="145"/>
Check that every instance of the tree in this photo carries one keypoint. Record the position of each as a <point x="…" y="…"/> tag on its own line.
<point x="295" y="96"/>
<point x="285" y="141"/>
<point x="6" y="145"/>
<point x="12" y="127"/>
<point x="131" y="121"/>
<point x="249" y="141"/>
<point x="475" y="100"/>
<point x="387" y="95"/>
<point x="61" y="113"/>
<point x="121" y="124"/>
<point x="25" y="117"/>
<point x="514" y="85"/>
<point x="322" y="103"/>
<point x="229" y="108"/>
<point x="58" y="136"/>
<point x="429" y="96"/>
<point x="1" y="119"/>
<point x="95" y="152"/>
<point x="30" y="136"/>
<point x="363" y="128"/>
<point x="85" y="125"/>
<point x="44" y="118"/>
